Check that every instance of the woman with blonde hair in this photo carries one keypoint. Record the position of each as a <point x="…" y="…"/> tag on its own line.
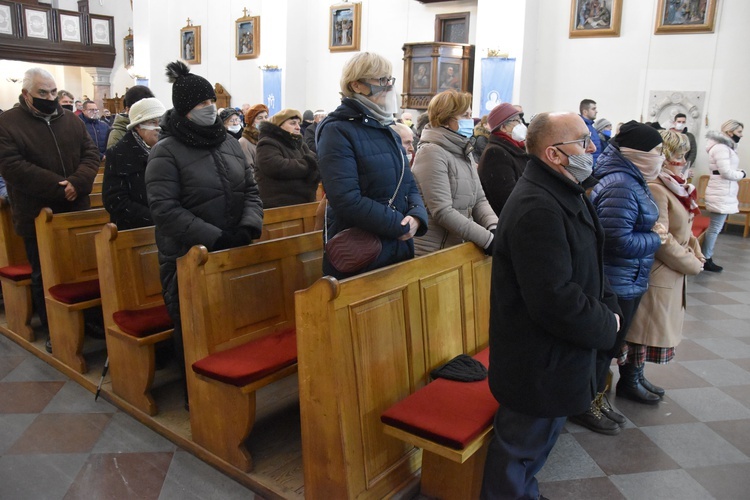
<point x="446" y="173"/>
<point x="365" y="170"/>
<point x="657" y="325"/>
<point x="723" y="185"/>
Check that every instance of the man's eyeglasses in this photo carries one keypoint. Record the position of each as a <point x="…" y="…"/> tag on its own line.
<point x="586" y="142"/>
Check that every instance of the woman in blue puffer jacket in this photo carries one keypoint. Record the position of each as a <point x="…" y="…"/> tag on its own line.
<point x="629" y="215"/>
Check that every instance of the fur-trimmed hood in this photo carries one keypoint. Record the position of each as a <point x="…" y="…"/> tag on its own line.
<point x="715" y="138"/>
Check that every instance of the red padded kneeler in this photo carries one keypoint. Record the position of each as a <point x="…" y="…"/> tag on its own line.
<point x="143" y="322"/>
<point x="73" y="293"/>
<point x="17" y="272"/>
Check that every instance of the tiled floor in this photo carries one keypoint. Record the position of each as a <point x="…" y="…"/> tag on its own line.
<point x="56" y="442"/>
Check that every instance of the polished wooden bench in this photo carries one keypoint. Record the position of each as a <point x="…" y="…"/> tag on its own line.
<point x="15" y="276"/>
<point x="452" y="423"/>
<point x="238" y="327"/>
<point x="135" y="317"/>
<point x="743" y="198"/>
<point x="71" y="283"/>
<point x="366" y="343"/>
<point x="96" y="192"/>
<point x="288" y="221"/>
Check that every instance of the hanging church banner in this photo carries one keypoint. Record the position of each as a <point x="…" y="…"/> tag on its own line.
<point x="190" y="43"/>
<point x="497" y="82"/>
<point x="272" y="90"/>
<point x="247" y="37"/>
<point x="594" y="18"/>
<point x="344" y="28"/>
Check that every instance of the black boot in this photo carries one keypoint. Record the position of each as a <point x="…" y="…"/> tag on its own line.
<point x="659" y="391"/>
<point x="629" y="386"/>
<point x="710" y="266"/>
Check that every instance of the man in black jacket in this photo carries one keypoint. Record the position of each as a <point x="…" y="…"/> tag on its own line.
<point x="551" y="306"/>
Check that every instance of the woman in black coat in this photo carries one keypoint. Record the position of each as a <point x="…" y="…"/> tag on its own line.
<point x="285" y="168"/>
<point x="124" y="187"/>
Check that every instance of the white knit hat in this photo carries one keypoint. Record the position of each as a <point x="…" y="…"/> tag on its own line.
<point x="145" y="110"/>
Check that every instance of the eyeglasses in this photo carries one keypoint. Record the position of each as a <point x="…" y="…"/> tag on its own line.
<point x="235" y="121"/>
<point x="586" y="142"/>
<point x="385" y="81"/>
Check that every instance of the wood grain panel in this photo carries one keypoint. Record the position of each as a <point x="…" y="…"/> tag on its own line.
<point x="84" y="255"/>
<point x="443" y="317"/>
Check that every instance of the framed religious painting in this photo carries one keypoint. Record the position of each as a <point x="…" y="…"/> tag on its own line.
<point x="247" y="37"/>
<point x="7" y="19"/>
<point x="685" y="16"/>
<point x="190" y="44"/>
<point x="421" y="75"/>
<point x="70" y="27"/>
<point x="595" y="18"/>
<point x="128" y="54"/>
<point x="101" y="30"/>
<point x="344" y="27"/>
<point x="37" y="23"/>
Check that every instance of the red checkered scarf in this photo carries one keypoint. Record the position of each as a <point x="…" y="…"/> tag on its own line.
<point x="684" y="191"/>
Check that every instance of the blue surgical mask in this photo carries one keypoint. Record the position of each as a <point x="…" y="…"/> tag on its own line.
<point x="607" y="133"/>
<point x="466" y="127"/>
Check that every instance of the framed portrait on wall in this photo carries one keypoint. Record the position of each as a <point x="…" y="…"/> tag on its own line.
<point x="421" y="76"/>
<point x="190" y="44"/>
<point x="595" y="18"/>
<point x="36" y="23"/>
<point x="450" y="75"/>
<point x="344" y="28"/>
<point x="70" y="27"/>
<point x="101" y="30"/>
<point x="685" y="16"/>
<point x="7" y="26"/>
<point x="128" y="55"/>
<point x="247" y="37"/>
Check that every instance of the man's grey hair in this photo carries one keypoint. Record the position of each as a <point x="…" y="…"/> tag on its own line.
<point x="31" y="73"/>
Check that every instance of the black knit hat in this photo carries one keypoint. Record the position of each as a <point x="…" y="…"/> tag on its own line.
<point x="635" y="135"/>
<point x="226" y="113"/>
<point x="188" y="90"/>
<point x="462" y="368"/>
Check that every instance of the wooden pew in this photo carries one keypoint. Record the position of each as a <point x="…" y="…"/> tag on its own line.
<point x="15" y="273"/>
<point x="71" y="283"/>
<point x="96" y="191"/>
<point x="743" y="198"/>
<point x="238" y="314"/>
<point x="134" y="310"/>
<point x="701" y="189"/>
<point x="129" y="277"/>
<point x="367" y="342"/>
<point x="288" y="221"/>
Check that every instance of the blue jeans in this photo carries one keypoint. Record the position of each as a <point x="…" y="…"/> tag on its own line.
<point x="518" y="450"/>
<point x="714" y="228"/>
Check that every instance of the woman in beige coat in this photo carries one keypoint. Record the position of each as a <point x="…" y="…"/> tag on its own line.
<point x="657" y="326"/>
<point x="447" y="177"/>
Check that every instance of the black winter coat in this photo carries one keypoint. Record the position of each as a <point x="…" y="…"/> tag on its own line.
<point x="551" y="307"/>
<point x="361" y="162"/>
<point x="285" y="169"/>
<point x="500" y="167"/>
<point x="99" y="132"/>
<point x="124" y="187"/>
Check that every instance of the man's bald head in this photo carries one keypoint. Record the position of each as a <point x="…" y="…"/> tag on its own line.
<point x="407" y="137"/>
<point x="547" y="129"/>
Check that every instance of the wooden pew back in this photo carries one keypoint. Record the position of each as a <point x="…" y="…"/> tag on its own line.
<point x="288" y="221"/>
<point x="367" y="342"/>
<point x="12" y="249"/>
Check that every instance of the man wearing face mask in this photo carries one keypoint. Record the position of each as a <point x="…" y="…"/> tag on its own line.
<point x="680" y="125"/>
<point x="551" y="307"/>
<point x="47" y="159"/>
<point x="201" y="191"/>
<point x="504" y="158"/>
<point x="66" y="100"/>
<point x="629" y="216"/>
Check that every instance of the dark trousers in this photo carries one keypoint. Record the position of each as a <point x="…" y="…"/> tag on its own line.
<point x="604" y="358"/>
<point x="518" y="450"/>
<point x="37" y="288"/>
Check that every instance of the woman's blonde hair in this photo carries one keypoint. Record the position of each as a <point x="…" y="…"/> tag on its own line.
<point x="446" y="105"/>
<point x="674" y="144"/>
<point x="363" y="66"/>
<point x="731" y="126"/>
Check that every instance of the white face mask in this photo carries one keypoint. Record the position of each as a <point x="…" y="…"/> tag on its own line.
<point x="391" y="102"/>
<point x="150" y="127"/>
<point x="234" y="128"/>
<point x="679" y="126"/>
<point x="519" y="132"/>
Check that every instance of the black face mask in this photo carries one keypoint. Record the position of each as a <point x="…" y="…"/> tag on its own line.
<point x="736" y="138"/>
<point x="69" y="107"/>
<point x="44" y="106"/>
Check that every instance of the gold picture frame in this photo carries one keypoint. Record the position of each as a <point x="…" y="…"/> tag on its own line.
<point x="684" y="17"/>
<point x="247" y="37"/>
<point x="344" y="27"/>
<point x="595" y="18"/>
<point x="128" y="54"/>
<point x="190" y="44"/>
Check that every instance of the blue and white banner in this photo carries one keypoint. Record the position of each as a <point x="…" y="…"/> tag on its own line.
<point x="497" y="82"/>
<point x="272" y="90"/>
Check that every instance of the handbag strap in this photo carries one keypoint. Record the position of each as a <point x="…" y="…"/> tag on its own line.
<point x="390" y="201"/>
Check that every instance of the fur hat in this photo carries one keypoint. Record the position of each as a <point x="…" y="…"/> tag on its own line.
<point x="253" y="112"/>
<point x="500" y="114"/>
<point x="226" y="113"/>
<point x="145" y="110"/>
<point x="284" y="115"/>
<point x="308" y="116"/>
<point x="601" y="124"/>
<point x="635" y="135"/>
<point x="188" y="90"/>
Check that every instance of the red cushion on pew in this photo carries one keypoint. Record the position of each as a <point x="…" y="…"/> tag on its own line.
<point x="700" y="224"/>
<point x="143" y="322"/>
<point x="17" y="272"/>
<point x="73" y="293"/>
<point x="249" y="362"/>
<point x="445" y="411"/>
